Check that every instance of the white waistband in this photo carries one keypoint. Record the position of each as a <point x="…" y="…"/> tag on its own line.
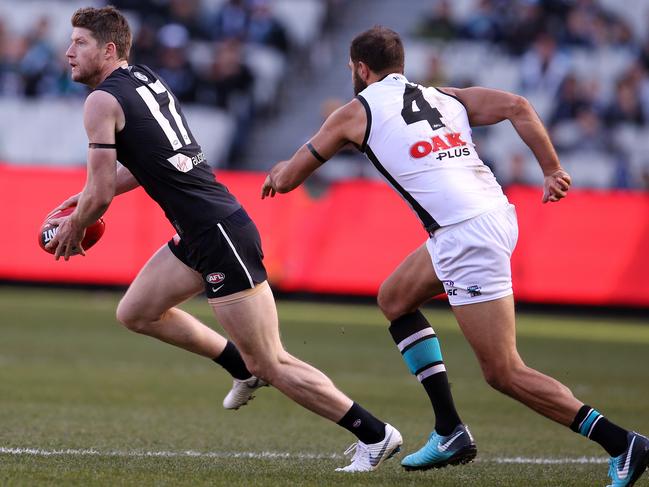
<point x="446" y="228"/>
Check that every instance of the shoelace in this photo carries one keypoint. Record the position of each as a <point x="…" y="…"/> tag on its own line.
<point x="612" y="469"/>
<point x="351" y="448"/>
<point x="358" y="448"/>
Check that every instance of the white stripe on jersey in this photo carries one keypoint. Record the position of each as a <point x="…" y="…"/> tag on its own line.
<point x="179" y="121"/>
<point x="159" y="88"/>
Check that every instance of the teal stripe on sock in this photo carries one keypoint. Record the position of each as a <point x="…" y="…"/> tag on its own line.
<point x="585" y="427"/>
<point x="424" y="353"/>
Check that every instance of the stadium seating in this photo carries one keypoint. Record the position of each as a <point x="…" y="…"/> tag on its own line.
<point x="463" y="60"/>
<point x="302" y="19"/>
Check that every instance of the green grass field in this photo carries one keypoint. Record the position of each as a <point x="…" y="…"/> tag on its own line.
<point x="85" y="402"/>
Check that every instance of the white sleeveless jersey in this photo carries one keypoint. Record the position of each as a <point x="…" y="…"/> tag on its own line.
<point x="420" y="140"/>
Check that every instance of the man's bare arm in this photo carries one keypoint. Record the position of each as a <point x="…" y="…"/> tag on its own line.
<point x="100" y="119"/>
<point x="124" y="180"/>
<point x="347" y="124"/>
<point x="100" y="115"/>
<point x="486" y="107"/>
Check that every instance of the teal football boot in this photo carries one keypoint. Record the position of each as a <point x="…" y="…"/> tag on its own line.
<point x="625" y="469"/>
<point x="440" y="451"/>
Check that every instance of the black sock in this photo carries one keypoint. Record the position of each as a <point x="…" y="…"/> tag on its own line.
<point x="420" y="349"/>
<point x="231" y="360"/>
<point x="591" y="424"/>
<point x="439" y="393"/>
<point x="363" y="425"/>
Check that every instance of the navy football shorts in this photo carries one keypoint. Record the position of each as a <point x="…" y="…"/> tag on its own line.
<point x="228" y="255"/>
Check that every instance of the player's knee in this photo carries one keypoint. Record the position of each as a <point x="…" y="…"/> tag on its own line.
<point x="390" y="307"/>
<point x="132" y="318"/>
<point x="263" y="369"/>
<point x="500" y="377"/>
<point x="268" y="368"/>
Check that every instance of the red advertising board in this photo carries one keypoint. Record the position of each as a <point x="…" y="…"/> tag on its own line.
<point x="591" y="248"/>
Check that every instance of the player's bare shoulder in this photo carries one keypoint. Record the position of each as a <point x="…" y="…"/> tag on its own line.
<point x="449" y="90"/>
<point x="350" y="120"/>
<point x="103" y="106"/>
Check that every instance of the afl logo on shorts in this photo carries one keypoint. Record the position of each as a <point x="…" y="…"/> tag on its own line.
<point x="215" y="277"/>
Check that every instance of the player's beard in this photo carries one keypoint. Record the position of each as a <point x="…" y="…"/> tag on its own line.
<point x="88" y="74"/>
<point x="359" y="84"/>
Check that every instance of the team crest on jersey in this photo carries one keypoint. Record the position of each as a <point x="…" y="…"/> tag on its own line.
<point x="141" y="77"/>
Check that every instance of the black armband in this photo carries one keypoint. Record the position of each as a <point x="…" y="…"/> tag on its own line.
<point x="93" y="145"/>
<point x="315" y="153"/>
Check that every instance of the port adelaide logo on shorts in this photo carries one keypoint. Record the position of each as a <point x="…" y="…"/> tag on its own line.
<point x="474" y="290"/>
<point x="215" y="277"/>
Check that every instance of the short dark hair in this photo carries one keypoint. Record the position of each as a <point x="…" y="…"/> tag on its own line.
<point x="107" y="24"/>
<point x="380" y="48"/>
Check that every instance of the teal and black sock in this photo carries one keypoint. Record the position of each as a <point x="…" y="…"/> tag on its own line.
<point x="230" y="359"/>
<point x="363" y="425"/>
<point x="420" y="349"/>
<point x="591" y="424"/>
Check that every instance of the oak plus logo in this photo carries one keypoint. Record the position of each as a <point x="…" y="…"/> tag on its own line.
<point x="449" y="146"/>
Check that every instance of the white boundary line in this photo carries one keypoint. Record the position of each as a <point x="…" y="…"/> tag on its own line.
<point x="267" y="455"/>
<point x="548" y="461"/>
<point x="166" y="454"/>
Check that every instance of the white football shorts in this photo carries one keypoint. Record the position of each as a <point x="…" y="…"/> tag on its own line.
<point x="472" y="258"/>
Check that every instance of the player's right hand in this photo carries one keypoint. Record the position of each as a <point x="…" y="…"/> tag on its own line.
<point x="267" y="189"/>
<point x="556" y="186"/>
<point x="67" y="241"/>
<point x="71" y="201"/>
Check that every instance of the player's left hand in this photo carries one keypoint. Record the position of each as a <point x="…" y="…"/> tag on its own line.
<point x="556" y="186"/>
<point x="268" y="189"/>
<point x="67" y="240"/>
<point x="71" y="201"/>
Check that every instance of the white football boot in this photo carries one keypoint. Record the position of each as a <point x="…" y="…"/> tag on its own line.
<point x="242" y="391"/>
<point x="369" y="457"/>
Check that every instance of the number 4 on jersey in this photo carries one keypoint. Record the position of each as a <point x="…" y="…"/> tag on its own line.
<point x="413" y="96"/>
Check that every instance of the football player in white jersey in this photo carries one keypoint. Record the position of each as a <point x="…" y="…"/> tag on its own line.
<point x="420" y="140"/>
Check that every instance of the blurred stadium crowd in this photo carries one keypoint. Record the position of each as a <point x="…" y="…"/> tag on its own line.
<point x="228" y="55"/>
<point x="583" y="63"/>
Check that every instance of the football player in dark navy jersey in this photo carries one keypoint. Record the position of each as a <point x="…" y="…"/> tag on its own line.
<point x="160" y="151"/>
<point x="132" y="116"/>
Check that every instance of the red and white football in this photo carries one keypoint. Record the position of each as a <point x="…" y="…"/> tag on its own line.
<point x="47" y="232"/>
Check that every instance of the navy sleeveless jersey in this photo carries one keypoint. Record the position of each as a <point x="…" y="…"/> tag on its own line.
<point x="158" y="148"/>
